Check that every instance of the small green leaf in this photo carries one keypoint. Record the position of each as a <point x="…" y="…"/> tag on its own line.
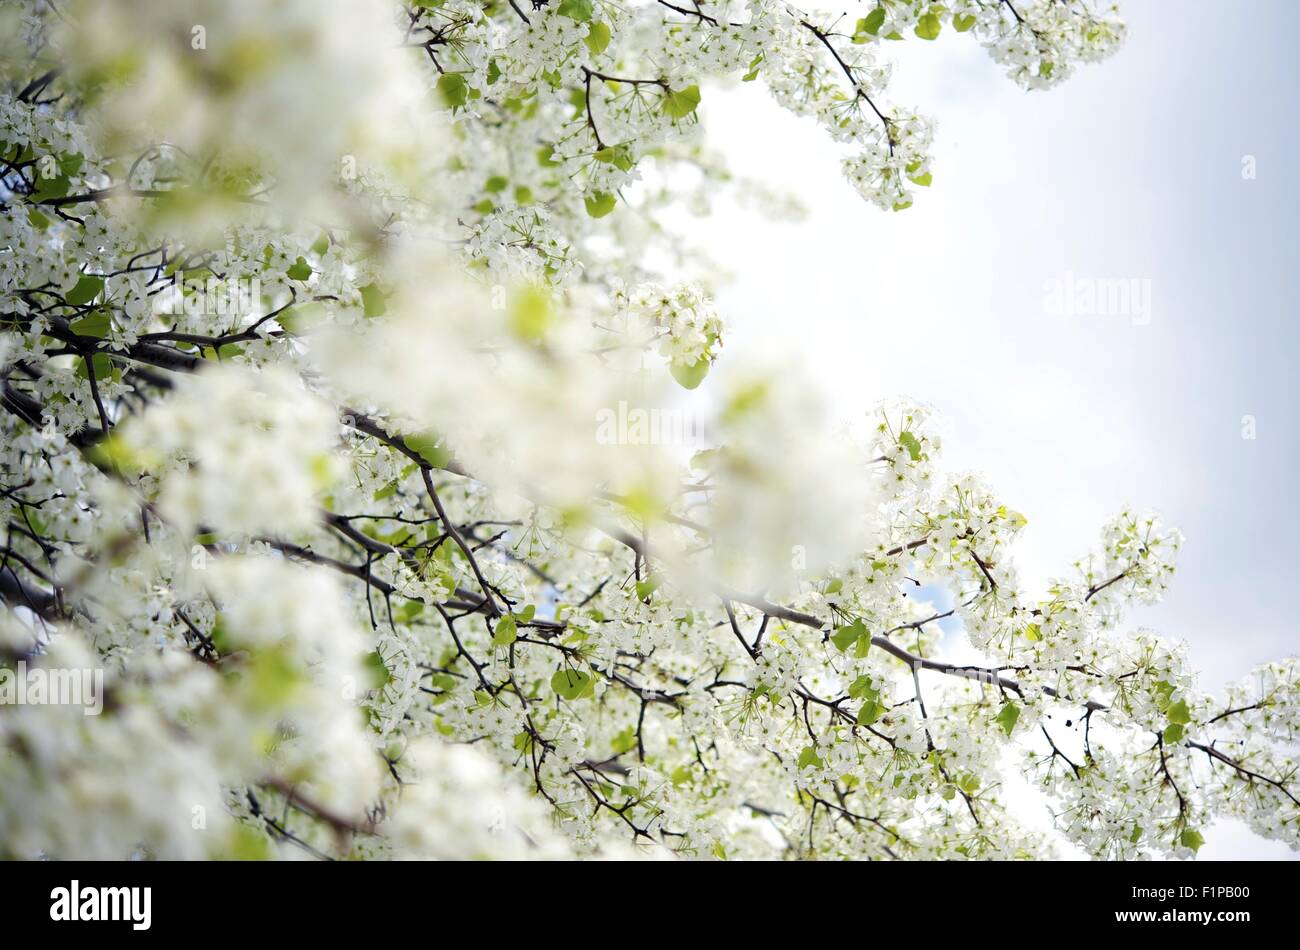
<point x="680" y="104"/>
<point x="1191" y="838"/>
<point x="454" y="89"/>
<point x="929" y="26"/>
<point x="579" y="10"/>
<point x="844" y="637"/>
<point x="912" y="444"/>
<point x="531" y="313"/>
<point x="620" y="156"/>
<point x="272" y="678"/>
<point x="647" y="587"/>
<point x="624" y="741"/>
<point x="599" y="204"/>
<point x="1173" y="733"/>
<point x="505" y="633"/>
<point x="299" y="269"/>
<point x="862" y="688"/>
<point x="102" y="365"/>
<point x="373" y="301"/>
<point x="961" y="23"/>
<point x="597" y="38"/>
<point x="96" y="324"/>
<point x="809" y="758"/>
<point x="1008" y="716"/>
<point x="871" y="711"/>
<point x="873" y="21"/>
<point x="86" y="289"/>
<point x="429" y="447"/>
<point x="690" y="376"/>
<point x="572" y="684"/>
<point x="1164" y="694"/>
<point x="1179" y="713"/>
<point x="496" y="183"/>
<point x="923" y="180"/>
<point x="377" y="670"/>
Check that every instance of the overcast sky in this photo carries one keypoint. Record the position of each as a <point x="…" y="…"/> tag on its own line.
<point x="1130" y="171"/>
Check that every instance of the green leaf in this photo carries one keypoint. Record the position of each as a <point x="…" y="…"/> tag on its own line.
<point x="690" y="376"/>
<point x="247" y="844"/>
<point x="1173" y="733"/>
<point x="572" y="684"/>
<point x="96" y="324"/>
<point x="373" y="301"/>
<point x="1191" y="838"/>
<point x="599" y="204"/>
<point x="597" y="38"/>
<point x="844" y="637"/>
<point x="1164" y="694"/>
<point x="377" y="670"/>
<point x="923" y="180"/>
<point x="1008" y="716"/>
<point x="454" y="89"/>
<point x="928" y="27"/>
<point x="1033" y="633"/>
<point x="55" y="187"/>
<point x="103" y="367"/>
<point x="753" y="69"/>
<point x="429" y="448"/>
<point x="620" y="156"/>
<point x="647" y="587"/>
<point x="962" y="23"/>
<point x="531" y="313"/>
<point x="624" y="741"/>
<point x="862" y="688"/>
<point x="496" y="183"/>
<point x="505" y="633"/>
<point x="1179" y="713"/>
<point x="912" y="444"/>
<point x="873" y="21"/>
<point x="579" y="10"/>
<point x="86" y="289"/>
<point x="680" y="104"/>
<point x="809" y="758"/>
<point x="273" y="678"/>
<point x="870" y="712"/>
<point x="299" y="269"/>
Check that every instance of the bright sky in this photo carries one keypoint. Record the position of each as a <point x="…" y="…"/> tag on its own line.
<point x="1132" y="170"/>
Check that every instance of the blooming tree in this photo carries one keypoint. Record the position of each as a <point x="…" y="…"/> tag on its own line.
<point x="309" y="312"/>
